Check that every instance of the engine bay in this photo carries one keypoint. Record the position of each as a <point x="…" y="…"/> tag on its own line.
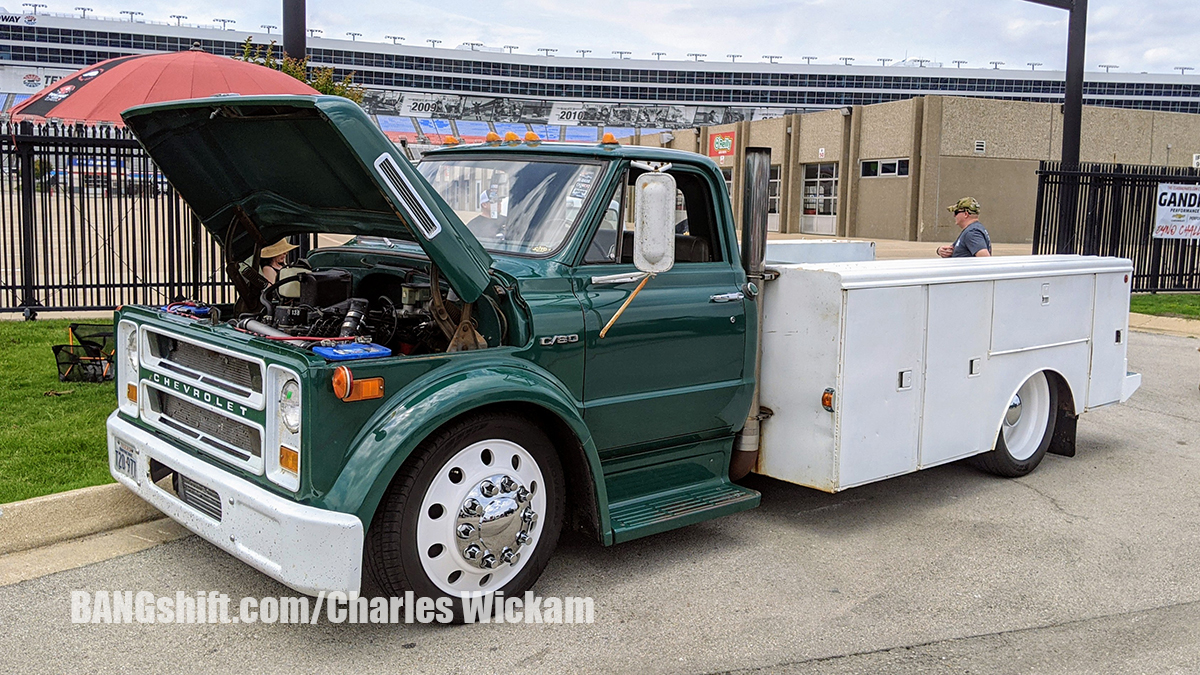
<point x="374" y="310"/>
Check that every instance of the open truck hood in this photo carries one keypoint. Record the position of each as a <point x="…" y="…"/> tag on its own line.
<point x="302" y="164"/>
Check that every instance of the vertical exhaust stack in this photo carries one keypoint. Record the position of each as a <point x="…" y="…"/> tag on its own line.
<point x="755" y="202"/>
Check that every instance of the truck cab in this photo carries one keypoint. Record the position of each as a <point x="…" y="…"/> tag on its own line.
<point x="426" y="404"/>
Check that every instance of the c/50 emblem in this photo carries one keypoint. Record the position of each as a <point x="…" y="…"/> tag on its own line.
<point x="558" y="340"/>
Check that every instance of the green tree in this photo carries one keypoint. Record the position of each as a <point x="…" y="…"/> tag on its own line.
<point x="321" y="79"/>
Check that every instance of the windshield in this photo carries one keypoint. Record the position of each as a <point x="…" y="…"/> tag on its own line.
<point x="514" y="206"/>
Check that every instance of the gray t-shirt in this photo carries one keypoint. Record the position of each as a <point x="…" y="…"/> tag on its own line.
<point x="973" y="239"/>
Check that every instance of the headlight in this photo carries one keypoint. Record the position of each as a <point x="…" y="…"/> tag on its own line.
<point x="289" y="405"/>
<point x="131" y="350"/>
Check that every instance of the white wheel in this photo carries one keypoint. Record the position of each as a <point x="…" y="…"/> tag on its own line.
<point x="477" y="509"/>
<point x="1026" y="429"/>
<point x="482" y="510"/>
<point x="1027" y="417"/>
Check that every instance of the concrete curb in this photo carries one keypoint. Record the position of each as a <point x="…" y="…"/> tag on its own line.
<point x="55" y="518"/>
<point x="1164" y="325"/>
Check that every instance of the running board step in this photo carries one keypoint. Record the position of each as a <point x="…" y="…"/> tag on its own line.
<point x="685" y="506"/>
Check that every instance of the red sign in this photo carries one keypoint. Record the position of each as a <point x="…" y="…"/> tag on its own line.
<point x="722" y="144"/>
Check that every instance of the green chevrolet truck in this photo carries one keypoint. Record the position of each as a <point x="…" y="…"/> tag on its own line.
<point x="518" y="337"/>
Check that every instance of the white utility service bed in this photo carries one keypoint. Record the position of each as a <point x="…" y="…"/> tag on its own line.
<point x="924" y="357"/>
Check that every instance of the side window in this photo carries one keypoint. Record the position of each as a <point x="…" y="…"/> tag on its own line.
<point x="697" y="237"/>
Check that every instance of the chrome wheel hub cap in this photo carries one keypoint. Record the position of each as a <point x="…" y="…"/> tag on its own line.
<point x="494" y="522"/>
<point x="1014" y="411"/>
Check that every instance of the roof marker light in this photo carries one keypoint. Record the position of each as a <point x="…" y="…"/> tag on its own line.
<point x="608" y="139"/>
<point x="510" y="137"/>
<point x="531" y="137"/>
<point x="492" y="137"/>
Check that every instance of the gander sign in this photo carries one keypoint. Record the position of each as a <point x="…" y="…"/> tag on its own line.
<point x="1177" y="212"/>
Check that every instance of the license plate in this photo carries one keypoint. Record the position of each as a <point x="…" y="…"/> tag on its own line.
<point x="125" y="460"/>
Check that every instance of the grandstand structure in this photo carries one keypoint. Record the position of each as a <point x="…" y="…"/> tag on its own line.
<point x="423" y="94"/>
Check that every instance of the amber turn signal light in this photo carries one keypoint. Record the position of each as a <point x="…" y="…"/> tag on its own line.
<point x="347" y="388"/>
<point x="289" y="459"/>
<point x="131" y="392"/>
<point x="827" y="400"/>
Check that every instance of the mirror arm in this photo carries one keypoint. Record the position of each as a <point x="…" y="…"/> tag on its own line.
<point x="622" y="278"/>
<point x="623" y="306"/>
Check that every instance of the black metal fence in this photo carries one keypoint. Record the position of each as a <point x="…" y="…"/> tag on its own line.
<point x="87" y="222"/>
<point x="1109" y="209"/>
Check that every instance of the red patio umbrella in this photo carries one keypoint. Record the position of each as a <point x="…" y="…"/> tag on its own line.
<point x="99" y="93"/>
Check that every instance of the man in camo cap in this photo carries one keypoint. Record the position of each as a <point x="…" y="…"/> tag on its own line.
<point x="973" y="241"/>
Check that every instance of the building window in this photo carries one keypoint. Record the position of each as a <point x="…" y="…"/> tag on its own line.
<point x="884" y="167"/>
<point x="820" y="199"/>
<point x="727" y="174"/>
<point x="773" y="190"/>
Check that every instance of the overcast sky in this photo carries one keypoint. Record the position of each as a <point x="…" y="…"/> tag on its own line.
<point x="1137" y="35"/>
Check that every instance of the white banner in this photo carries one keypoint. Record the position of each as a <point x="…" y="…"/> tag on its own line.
<point x="1177" y="214"/>
<point x="566" y="114"/>
<point x="15" y="80"/>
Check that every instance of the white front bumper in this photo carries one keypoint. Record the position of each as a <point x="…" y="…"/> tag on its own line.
<point x="306" y="548"/>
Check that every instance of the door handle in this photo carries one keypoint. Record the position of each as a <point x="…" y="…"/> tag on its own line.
<point x="727" y="297"/>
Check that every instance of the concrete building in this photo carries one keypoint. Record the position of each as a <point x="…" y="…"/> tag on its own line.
<point x="888" y="170"/>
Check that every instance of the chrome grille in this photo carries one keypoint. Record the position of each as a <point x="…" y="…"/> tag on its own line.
<point x="218" y="431"/>
<point x="222" y="371"/>
<point x="200" y="497"/>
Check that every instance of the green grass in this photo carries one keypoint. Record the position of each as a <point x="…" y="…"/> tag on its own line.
<point x="47" y="443"/>
<point x="1186" y="305"/>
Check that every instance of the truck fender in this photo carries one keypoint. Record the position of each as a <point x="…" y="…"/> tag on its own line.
<point x="444" y="394"/>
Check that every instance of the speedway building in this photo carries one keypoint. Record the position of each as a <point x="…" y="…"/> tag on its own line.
<point x="422" y="94"/>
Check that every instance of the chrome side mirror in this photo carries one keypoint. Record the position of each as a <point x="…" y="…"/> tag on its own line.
<point x="654" y="228"/>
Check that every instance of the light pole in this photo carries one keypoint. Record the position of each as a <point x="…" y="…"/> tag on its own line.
<point x="996" y="64"/>
<point x="85" y="10"/>
<point x="312" y="32"/>
<point x="433" y="43"/>
<point x="658" y="55"/>
<point x="510" y="48"/>
<point x="733" y="57"/>
<point x="546" y="51"/>
<point x="1033" y="65"/>
<point x="34" y="7"/>
<point x="621" y="53"/>
<point x="883" y="62"/>
<point x="921" y="62"/>
<point x="583" y="53"/>
<point x="223" y="22"/>
<point x="772" y="58"/>
<point x="1073" y="99"/>
<point x="1107" y="67"/>
<point x="808" y="60"/>
<point x="846" y="59"/>
<point x="697" y="55"/>
<point x="268" y="27"/>
<point x="958" y="63"/>
<point x="393" y="38"/>
<point x="178" y="18"/>
<point x="1183" y="69"/>
<point x="353" y="36"/>
<point x="132" y="15"/>
<point x="473" y="45"/>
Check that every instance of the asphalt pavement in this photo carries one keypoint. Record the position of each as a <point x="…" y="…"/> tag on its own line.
<point x="1088" y="565"/>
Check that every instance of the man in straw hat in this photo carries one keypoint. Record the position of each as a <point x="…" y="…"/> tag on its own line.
<point x="272" y="259"/>
<point x="973" y="241"/>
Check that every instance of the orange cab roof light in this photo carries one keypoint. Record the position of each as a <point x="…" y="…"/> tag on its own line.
<point x="608" y="139"/>
<point x="492" y="137"/>
<point x="531" y="137"/>
<point x="510" y="137"/>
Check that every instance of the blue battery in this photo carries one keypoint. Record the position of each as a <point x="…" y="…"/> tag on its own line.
<point x="352" y="351"/>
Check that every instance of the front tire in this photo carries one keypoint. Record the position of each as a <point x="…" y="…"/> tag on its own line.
<point x="478" y="509"/>
<point x="1025" y="431"/>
